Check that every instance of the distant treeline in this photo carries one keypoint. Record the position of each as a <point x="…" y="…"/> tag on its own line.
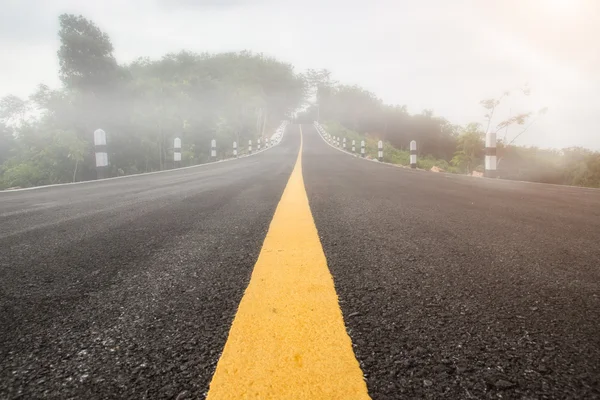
<point x="354" y="112"/>
<point x="142" y="106"/>
<point x="48" y="137"/>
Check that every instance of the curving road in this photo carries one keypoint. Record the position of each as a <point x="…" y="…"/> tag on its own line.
<point x="450" y="287"/>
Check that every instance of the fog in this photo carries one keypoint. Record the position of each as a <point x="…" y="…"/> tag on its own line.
<point x="421" y="70"/>
<point x="439" y="55"/>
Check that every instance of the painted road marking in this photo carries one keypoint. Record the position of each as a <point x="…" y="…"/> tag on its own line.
<point x="288" y="339"/>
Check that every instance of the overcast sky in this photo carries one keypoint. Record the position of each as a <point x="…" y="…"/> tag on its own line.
<point x="428" y="54"/>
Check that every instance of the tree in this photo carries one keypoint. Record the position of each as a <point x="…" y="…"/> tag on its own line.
<point x="469" y="149"/>
<point x="13" y="109"/>
<point x="520" y="119"/>
<point x="7" y="142"/>
<point x="581" y="167"/>
<point x="319" y="85"/>
<point x="491" y="105"/>
<point x="85" y="55"/>
<point x="142" y="106"/>
<point x="43" y="157"/>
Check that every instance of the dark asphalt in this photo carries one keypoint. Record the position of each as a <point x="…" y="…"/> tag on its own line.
<point x="451" y="287"/>
<point x="127" y="288"/>
<point x="456" y="287"/>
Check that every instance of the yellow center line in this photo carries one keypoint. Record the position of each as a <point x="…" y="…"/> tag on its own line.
<point x="288" y="339"/>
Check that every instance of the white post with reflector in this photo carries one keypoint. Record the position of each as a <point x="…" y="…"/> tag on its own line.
<point x="258" y="145"/>
<point x="380" y="150"/>
<point x="413" y="154"/>
<point x="490" y="155"/>
<point x="235" y="149"/>
<point x="177" y="152"/>
<point x="250" y="146"/>
<point x="344" y="143"/>
<point x="353" y="146"/>
<point x="101" y="153"/>
<point x="213" y="150"/>
<point x="362" y="148"/>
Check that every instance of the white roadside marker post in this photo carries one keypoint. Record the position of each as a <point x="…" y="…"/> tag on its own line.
<point x="250" y="146"/>
<point x="213" y="150"/>
<point x="177" y="152"/>
<point x="344" y="143"/>
<point x="490" y="155"/>
<point x="235" y="149"/>
<point x="353" y="146"/>
<point x="362" y="148"/>
<point x="413" y="154"/>
<point x="380" y="151"/>
<point x="101" y="154"/>
<point x="258" y="145"/>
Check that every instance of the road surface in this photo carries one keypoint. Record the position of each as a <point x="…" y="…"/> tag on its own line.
<point x="451" y="287"/>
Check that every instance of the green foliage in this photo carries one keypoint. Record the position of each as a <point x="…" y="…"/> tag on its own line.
<point x="7" y="142"/>
<point x="429" y="162"/>
<point x="13" y="109"/>
<point x="582" y="167"/>
<point x="337" y="129"/>
<point x="21" y="175"/>
<point x="85" y="55"/>
<point x="391" y="154"/>
<point x="43" y="157"/>
<point x="356" y="114"/>
<point x="395" y="156"/>
<point x="469" y="149"/>
<point x="142" y="106"/>
<point x="361" y="111"/>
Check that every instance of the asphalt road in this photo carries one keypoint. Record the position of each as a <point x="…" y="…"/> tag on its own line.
<point x="450" y="287"/>
<point x="457" y="287"/>
<point x="126" y="288"/>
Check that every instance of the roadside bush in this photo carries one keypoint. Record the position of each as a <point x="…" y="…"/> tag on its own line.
<point x="429" y="161"/>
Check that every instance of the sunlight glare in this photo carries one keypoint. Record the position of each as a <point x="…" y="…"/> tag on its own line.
<point x="562" y="6"/>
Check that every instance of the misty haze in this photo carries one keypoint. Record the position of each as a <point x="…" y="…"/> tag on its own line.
<point x="299" y="200"/>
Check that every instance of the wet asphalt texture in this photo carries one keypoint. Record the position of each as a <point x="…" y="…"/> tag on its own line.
<point x="460" y="288"/>
<point x="126" y="288"/>
<point x="451" y="287"/>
